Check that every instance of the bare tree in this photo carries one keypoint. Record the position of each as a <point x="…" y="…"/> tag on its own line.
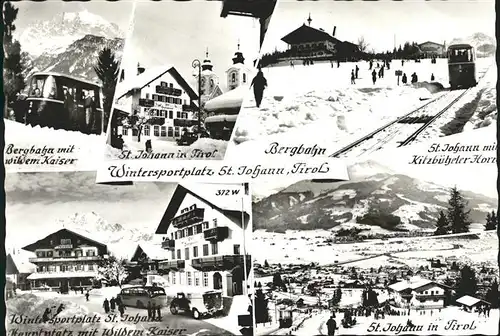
<point x="362" y="44"/>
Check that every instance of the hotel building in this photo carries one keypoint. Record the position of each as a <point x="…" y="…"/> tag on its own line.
<point x="204" y="238"/>
<point x="161" y="95"/>
<point x="65" y="260"/>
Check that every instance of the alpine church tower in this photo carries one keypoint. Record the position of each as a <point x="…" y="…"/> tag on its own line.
<point x="238" y="73"/>
<point x="209" y="81"/>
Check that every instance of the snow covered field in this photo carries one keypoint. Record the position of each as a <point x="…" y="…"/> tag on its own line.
<point x="304" y="247"/>
<point x="317" y="105"/>
<point x="87" y="151"/>
<point x="316" y="325"/>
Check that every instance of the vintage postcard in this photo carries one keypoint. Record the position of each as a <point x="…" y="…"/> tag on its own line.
<point x="178" y="265"/>
<point x="386" y="253"/>
<point x="349" y="77"/>
<point x="250" y="167"/>
<point x="180" y="100"/>
<point x="60" y="60"/>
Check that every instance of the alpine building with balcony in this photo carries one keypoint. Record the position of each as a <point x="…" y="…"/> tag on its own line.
<point x="203" y="237"/>
<point x="65" y="260"/>
<point x="159" y="95"/>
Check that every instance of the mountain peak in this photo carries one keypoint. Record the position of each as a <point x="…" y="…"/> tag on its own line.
<point x="51" y="36"/>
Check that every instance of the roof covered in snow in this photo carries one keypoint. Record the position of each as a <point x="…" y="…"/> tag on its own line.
<point x="227" y="205"/>
<point x="151" y="74"/>
<point x="44" y="242"/>
<point x="230" y="101"/>
<point x="412" y="283"/>
<point x="470" y="301"/>
<point x="152" y="251"/>
<point x="20" y="262"/>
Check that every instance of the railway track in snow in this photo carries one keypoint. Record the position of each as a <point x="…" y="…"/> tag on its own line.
<point x="405" y="129"/>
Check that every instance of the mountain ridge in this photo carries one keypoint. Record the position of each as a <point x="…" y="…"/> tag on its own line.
<point x="417" y="203"/>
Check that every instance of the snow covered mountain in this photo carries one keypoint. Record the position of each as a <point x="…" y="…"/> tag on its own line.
<point x="311" y="205"/>
<point x="121" y="241"/>
<point x="69" y="43"/>
<point x="78" y="59"/>
<point x="485" y="45"/>
<point x="55" y="35"/>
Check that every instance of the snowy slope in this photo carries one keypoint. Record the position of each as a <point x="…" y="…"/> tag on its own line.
<point x="317" y="104"/>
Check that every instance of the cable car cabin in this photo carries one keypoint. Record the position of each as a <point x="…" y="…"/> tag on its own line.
<point x="61" y="102"/>
<point x="462" y="66"/>
<point x="285" y="317"/>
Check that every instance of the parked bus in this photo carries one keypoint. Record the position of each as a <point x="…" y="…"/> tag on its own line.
<point x="140" y="296"/>
<point x="462" y="66"/>
<point x="61" y="102"/>
<point x="197" y="303"/>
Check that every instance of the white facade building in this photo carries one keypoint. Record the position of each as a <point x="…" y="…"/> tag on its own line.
<point x="65" y="260"/>
<point x="418" y="293"/>
<point x="205" y="239"/>
<point x="161" y="96"/>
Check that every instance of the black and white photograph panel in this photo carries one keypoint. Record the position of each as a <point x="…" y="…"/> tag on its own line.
<point x="60" y="66"/>
<point x="175" y="267"/>
<point x="184" y="94"/>
<point x="387" y="253"/>
<point x="349" y="76"/>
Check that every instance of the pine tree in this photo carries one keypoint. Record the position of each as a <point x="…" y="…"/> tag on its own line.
<point x="491" y="221"/>
<point x="261" y="309"/>
<point x="458" y="217"/>
<point x="467" y="282"/>
<point x="338" y="295"/>
<point x="493" y="296"/>
<point x="107" y="69"/>
<point x="13" y="65"/>
<point x="442" y="226"/>
<point x="266" y="264"/>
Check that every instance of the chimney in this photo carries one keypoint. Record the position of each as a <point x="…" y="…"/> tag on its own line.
<point x="140" y="69"/>
<point x="334" y="30"/>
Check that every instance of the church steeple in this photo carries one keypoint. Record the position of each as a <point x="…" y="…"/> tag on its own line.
<point x="207" y="64"/>
<point x="238" y="56"/>
<point x="309" y="20"/>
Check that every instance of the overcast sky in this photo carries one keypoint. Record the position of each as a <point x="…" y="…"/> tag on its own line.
<point x="38" y="200"/>
<point x="31" y="11"/>
<point x="177" y="33"/>
<point x="380" y="21"/>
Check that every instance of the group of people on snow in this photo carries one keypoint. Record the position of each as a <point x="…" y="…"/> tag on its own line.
<point x="112" y="304"/>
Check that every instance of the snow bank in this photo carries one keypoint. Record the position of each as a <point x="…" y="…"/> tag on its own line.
<point x="31" y="306"/>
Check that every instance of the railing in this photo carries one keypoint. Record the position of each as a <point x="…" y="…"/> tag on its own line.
<point x="57" y="259"/>
<point x="168" y="91"/>
<point x="172" y="265"/>
<point x="218" y="233"/>
<point x="146" y="102"/>
<point x="188" y="218"/>
<point x="63" y="247"/>
<point x="168" y="244"/>
<point x="220" y="263"/>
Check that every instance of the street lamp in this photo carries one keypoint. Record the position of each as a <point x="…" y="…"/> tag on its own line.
<point x="197" y="64"/>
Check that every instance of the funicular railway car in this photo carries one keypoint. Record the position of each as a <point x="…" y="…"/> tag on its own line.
<point x="462" y="66"/>
<point x="61" y="102"/>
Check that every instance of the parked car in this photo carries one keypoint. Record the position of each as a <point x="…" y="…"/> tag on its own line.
<point x="197" y="303"/>
<point x="139" y="296"/>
